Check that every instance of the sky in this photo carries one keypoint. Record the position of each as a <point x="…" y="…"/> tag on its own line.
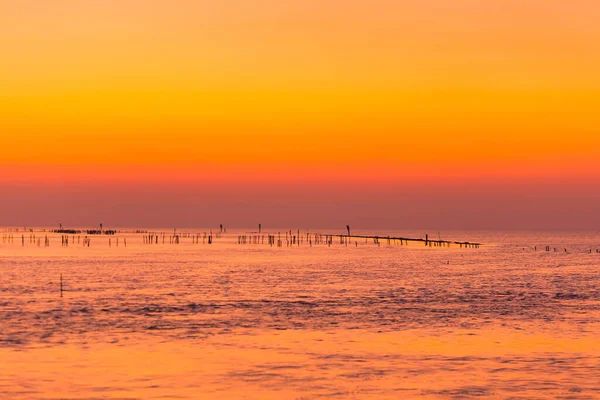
<point x="443" y="114"/>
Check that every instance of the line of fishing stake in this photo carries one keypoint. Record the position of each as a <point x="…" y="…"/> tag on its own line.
<point x="296" y="239"/>
<point x="176" y="238"/>
<point x="151" y="238"/>
<point x="289" y="238"/>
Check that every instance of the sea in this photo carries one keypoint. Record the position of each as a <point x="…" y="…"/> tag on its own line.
<point x="245" y="318"/>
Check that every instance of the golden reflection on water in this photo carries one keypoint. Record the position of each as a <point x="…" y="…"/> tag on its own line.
<point x="297" y="364"/>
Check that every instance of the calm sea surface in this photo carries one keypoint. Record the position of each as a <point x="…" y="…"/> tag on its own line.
<point x="251" y="321"/>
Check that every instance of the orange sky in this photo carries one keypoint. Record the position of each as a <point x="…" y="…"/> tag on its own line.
<point x="269" y="92"/>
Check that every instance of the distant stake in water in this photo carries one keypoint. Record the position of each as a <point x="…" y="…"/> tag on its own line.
<point x="61" y="286"/>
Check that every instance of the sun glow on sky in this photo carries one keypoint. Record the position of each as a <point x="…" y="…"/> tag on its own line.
<point x="265" y="92"/>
